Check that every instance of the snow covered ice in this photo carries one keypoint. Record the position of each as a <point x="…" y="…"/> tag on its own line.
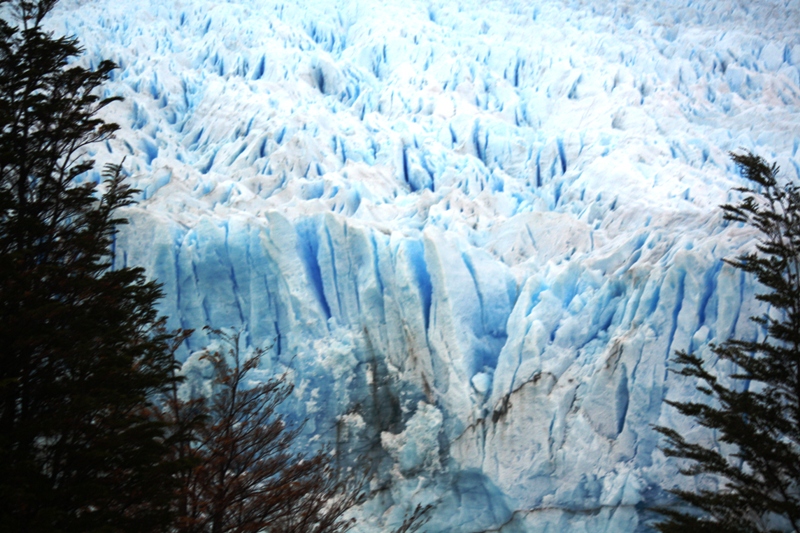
<point x="472" y="231"/>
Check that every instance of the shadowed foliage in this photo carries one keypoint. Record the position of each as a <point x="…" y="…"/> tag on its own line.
<point x="756" y="412"/>
<point x="246" y="476"/>
<point x="81" y="348"/>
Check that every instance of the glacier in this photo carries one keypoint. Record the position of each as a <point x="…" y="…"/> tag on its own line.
<point x="472" y="233"/>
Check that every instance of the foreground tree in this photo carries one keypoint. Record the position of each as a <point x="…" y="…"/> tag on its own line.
<point x="757" y="411"/>
<point x="246" y="476"/>
<point x="81" y="349"/>
<point x="83" y="448"/>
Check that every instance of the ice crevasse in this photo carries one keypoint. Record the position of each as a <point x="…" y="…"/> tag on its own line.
<point x="472" y="232"/>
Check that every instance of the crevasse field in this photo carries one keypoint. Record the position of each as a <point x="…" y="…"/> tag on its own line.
<point x="473" y="232"/>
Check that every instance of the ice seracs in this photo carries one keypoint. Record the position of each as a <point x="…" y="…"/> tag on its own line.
<point x="473" y="233"/>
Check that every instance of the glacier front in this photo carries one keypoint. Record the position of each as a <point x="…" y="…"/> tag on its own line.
<point x="472" y="232"/>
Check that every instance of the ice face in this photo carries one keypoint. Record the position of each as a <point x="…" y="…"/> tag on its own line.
<point x="473" y="233"/>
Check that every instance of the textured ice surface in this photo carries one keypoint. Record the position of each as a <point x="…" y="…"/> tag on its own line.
<point x="472" y="231"/>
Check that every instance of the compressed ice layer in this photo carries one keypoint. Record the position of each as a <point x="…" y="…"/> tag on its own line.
<point x="472" y="233"/>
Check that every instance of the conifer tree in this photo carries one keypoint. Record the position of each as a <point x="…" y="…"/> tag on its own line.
<point x="81" y="348"/>
<point x="756" y="412"/>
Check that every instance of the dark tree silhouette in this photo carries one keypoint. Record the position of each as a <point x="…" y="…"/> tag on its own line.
<point x="416" y="519"/>
<point x="246" y="476"/>
<point x="81" y="349"/>
<point x="84" y="446"/>
<point x="756" y="411"/>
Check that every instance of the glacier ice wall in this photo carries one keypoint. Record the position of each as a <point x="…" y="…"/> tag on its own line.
<point x="472" y="232"/>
